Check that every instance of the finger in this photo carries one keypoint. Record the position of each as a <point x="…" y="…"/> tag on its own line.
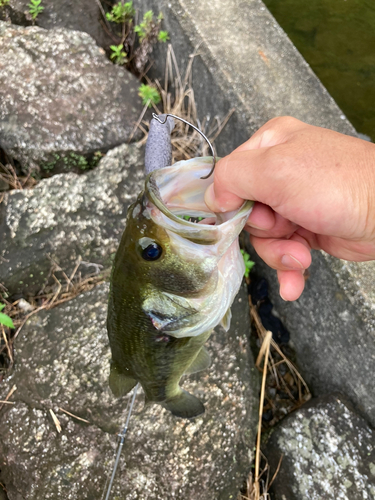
<point x="291" y="283"/>
<point x="262" y="217"/>
<point x="225" y="203"/>
<point x="257" y="224"/>
<point x="283" y="255"/>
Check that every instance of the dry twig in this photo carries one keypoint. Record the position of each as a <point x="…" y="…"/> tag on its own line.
<point x="13" y="389"/>
<point x="274" y="358"/>
<point x="74" y="416"/>
<point x="56" y="421"/>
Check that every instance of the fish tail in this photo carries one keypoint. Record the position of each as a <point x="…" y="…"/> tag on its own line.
<point x="184" y="405"/>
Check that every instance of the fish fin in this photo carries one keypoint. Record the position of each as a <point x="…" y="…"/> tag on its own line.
<point x="201" y="362"/>
<point x="184" y="405"/>
<point x="225" y="322"/>
<point x="119" y="383"/>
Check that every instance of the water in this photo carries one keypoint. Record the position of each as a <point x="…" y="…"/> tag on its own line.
<point x="337" y="39"/>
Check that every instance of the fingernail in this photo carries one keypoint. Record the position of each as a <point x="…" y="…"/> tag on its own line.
<point x="281" y="295"/>
<point x="291" y="262"/>
<point x="250" y="224"/>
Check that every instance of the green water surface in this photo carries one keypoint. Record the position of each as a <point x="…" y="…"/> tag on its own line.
<point x="337" y="39"/>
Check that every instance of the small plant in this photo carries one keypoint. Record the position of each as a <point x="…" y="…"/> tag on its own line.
<point x="118" y="55"/>
<point x="35" y="8"/>
<point x="3" y="3"/>
<point x="163" y="36"/>
<point x="249" y="264"/>
<point x="121" y="13"/>
<point x="5" y="319"/>
<point x="144" y="28"/>
<point x="148" y="25"/>
<point x="149" y="95"/>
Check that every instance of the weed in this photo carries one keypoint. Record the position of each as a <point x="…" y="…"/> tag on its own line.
<point x="148" y="25"/>
<point x="144" y="28"/>
<point x="148" y="31"/>
<point x="121" y="13"/>
<point x="118" y="55"/>
<point x="5" y="319"/>
<point x="149" y="95"/>
<point x="163" y="36"/>
<point x="74" y="160"/>
<point x="3" y="3"/>
<point x="35" y="8"/>
<point x="249" y="264"/>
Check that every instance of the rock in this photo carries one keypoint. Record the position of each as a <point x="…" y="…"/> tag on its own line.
<point x="66" y="217"/>
<point x="84" y="16"/>
<point x="328" y="452"/>
<point x="332" y="327"/>
<point x="63" y="362"/>
<point x="62" y="100"/>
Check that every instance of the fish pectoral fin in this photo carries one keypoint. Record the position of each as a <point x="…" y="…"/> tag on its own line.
<point x="201" y="362"/>
<point x="225" y="321"/>
<point x="184" y="405"/>
<point x="119" y="383"/>
<point x="166" y="310"/>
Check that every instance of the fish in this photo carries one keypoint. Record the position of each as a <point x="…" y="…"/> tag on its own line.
<point x="173" y="281"/>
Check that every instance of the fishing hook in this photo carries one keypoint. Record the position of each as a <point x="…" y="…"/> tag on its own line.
<point x="154" y="115"/>
<point x="121" y="443"/>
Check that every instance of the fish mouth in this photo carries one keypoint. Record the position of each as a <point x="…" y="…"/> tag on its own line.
<point x="178" y="191"/>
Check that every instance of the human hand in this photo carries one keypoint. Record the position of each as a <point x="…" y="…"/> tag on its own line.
<point x="314" y="189"/>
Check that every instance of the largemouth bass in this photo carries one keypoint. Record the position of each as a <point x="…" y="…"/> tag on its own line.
<point x="172" y="282"/>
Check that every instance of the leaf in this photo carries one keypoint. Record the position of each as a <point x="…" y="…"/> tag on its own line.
<point x="2" y="306"/>
<point x="6" y="320"/>
<point x="148" y="16"/>
<point x="249" y="264"/>
<point x="149" y="95"/>
<point x="163" y="36"/>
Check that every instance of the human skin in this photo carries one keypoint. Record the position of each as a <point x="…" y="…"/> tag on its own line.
<point x="314" y="189"/>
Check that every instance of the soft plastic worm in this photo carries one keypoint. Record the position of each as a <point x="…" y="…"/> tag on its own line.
<point x="158" y="118"/>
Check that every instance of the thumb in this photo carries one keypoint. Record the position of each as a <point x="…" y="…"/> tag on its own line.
<point x="219" y="199"/>
<point x="234" y="178"/>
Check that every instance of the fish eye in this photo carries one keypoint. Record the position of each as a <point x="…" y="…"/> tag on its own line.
<point x="149" y="249"/>
<point x="152" y="252"/>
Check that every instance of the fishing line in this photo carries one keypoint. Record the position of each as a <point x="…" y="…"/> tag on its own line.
<point x="154" y="115"/>
<point x="121" y="443"/>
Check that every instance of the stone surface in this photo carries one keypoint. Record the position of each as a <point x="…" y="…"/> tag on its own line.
<point x="84" y="16"/>
<point x="332" y="328"/>
<point x="66" y="217"/>
<point x="63" y="362"/>
<point x="61" y="99"/>
<point x="328" y="452"/>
